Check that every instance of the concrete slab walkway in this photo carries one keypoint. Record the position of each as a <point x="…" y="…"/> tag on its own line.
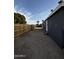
<point x="36" y="45"/>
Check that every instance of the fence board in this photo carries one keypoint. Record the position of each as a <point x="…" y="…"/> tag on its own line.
<point x="21" y="28"/>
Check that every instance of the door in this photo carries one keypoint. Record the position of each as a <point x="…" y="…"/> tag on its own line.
<point x="46" y="25"/>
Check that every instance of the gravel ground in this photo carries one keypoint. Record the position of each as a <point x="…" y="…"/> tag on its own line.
<point x="36" y="45"/>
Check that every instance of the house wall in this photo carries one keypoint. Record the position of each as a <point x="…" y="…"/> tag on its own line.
<point x="56" y="27"/>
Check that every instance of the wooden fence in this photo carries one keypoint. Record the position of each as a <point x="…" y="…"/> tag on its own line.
<point x="21" y="28"/>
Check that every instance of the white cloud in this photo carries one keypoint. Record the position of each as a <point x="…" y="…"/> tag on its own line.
<point x="32" y="19"/>
<point x="31" y="22"/>
<point x="22" y="11"/>
<point x="39" y="17"/>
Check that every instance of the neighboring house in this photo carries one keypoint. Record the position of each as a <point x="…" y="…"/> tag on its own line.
<point x="37" y="27"/>
<point x="54" y="24"/>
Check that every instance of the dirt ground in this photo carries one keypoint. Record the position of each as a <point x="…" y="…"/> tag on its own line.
<point x="36" y="45"/>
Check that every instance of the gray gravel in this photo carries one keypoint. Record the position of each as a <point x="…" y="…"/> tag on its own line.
<point x="36" y="45"/>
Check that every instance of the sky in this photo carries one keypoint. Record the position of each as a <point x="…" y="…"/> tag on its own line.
<point x="35" y="10"/>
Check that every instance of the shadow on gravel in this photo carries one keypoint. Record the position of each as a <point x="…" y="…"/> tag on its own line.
<point x="23" y="52"/>
<point x="21" y="49"/>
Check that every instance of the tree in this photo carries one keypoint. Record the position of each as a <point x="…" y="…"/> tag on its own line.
<point x="19" y="19"/>
<point x="38" y="22"/>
